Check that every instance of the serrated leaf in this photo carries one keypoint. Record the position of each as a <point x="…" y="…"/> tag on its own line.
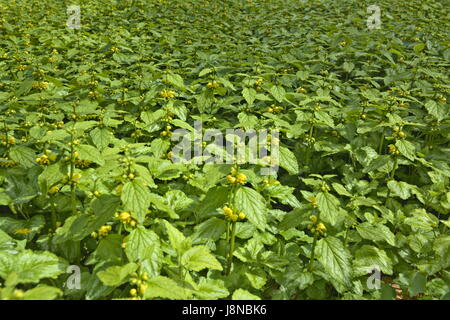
<point x="136" y="198"/>
<point x="406" y="148"/>
<point x="163" y="287"/>
<point x="30" y="266"/>
<point x="139" y="244"/>
<point x="437" y="110"/>
<point x="101" y="137"/>
<point x="335" y="259"/>
<point x="23" y="155"/>
<point x="340" y="189"/>
<point x="116" y="275"/>
<point x="368" y="257"/>
<point x="177" y="239"/>
<point x="199" y="258"/>
<point x="400" y="189"/>
<point x="210" y="289"/>
<point x="288" y="160"/>
<point x="328" y="206"/>
<point x="278" y="93"/>
<point x="176" y="80"/>
<point x="249" y="95"/>
<point x="42" y="292"/>
<point x="241" y="294"/>
<point x="90" y="153"/>
<point x="253" y="205"/>
<point x="376" y="232"/>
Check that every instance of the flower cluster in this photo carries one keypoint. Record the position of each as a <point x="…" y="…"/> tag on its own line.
<point x="46" y="158"/>
<point x="167" y="94"/>
<point x="233" y="215"/>
<point x="125" y="218"/>
<point x="236" y="178"/>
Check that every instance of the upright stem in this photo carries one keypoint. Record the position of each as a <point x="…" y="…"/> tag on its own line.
<point x="230" y="253"/>
<point x="392" y="176"/>
<point x="72" y="169"/>
<point x="380" y="148"/>
<point x="316" y="235"/>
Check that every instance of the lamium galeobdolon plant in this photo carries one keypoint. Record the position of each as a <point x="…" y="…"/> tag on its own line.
<point x="92" y="205"/>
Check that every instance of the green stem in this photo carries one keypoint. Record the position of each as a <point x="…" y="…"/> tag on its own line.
<point x="71" y="173"/>
<point x="392" y="177"/>
<point x="230" y="253"/>
<point x="53" y="215"/>
<point x="394" y="168"/>
<point x="380" y="148"/>
<point x="316" y="235"/>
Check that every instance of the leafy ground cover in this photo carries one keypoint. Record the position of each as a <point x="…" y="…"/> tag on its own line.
<point x="92" y="207"/>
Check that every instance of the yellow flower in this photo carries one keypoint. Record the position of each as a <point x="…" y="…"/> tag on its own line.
<point x="231" y="179"/>
<point x="227" y="211"/>
<point x="312" y="201"/>
<point x="167" y="94"/>
<point x="241" y="178"/>
<point x="53" y="190"/>
<point x="321" y="228"/>
<point x="104" y="230"/>
<point x="23" y="231"/>
<point x="213" y="84"/>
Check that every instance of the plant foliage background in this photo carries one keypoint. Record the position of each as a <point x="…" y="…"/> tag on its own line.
<point x="86" y="181"/>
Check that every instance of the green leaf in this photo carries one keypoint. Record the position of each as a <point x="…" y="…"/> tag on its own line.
<point x="101" y="137"/>
<point x="340" y="189"/>
<point x="368" y="256"/>
<point x="328" y="206"/>
<point x="419" y="47"/>
<point x="437" y="110"/>
<point x="211" y="229"/>
<point x="50" y="176"/>
<point x="257" y="278"/>
<point x="90" y="153"/>
<point x="288" y="160"/>
<point x="116" y="275"/>
<point x="400" y="189"/>
<point x="163" y="287"/>
<point x="136" y="198"/>
<point x="376" y="232"/>
<point x="335" y="259"/>
<point x="249" y="95"/>
<point x="253" y="205"/>
<point x="418" y="284"/>
<point x="140" y="244"/>
<point x="324" y="117"/>
<point x="215" y="198"/>
<point x="406" y="148"/>
<point x="199" y="258"/>
<point x="210" y="289"/>
<point x="241" y="294"/>
<point x="278" y="93"/>
<point x="176" y="80"/>
<point x="23" y="155"/>
<point x="42" y="292"/>
<point x="177" y="239"/>
<point x="31" y="266"/>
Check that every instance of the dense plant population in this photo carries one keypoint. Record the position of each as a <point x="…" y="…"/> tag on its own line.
<point x="87" y="184"/>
